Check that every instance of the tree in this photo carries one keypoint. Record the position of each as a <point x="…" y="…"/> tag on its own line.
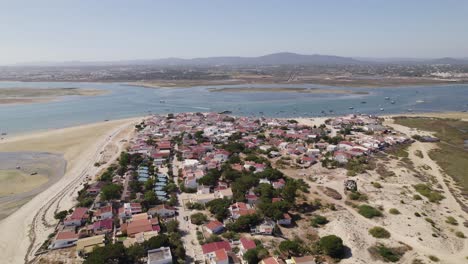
<point x="110" y="253"/>
<point x="290" y="247"/>
<point x="135" y="253"/>
<point x="150" y="197"/>
<point x="219" y="207"/>
<point x="251" y="256"/>
<point x="332" y="245"/>
<point x="111" y="191"/>
<point x="172" y="226"/>
<point x="158" y="241"/>
<point x="198" y="218"/>
<point x="61" y="215"/>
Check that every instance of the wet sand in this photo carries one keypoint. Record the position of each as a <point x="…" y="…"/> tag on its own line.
<point x="26" y="174"/>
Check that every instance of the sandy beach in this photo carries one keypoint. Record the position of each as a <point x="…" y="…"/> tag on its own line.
<point x="26" y="229"/>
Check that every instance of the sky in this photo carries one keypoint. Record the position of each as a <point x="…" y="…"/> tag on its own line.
<point x="109" y="30"/>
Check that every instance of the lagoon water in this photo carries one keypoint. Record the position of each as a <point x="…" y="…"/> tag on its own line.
<point x="129" y="101"/>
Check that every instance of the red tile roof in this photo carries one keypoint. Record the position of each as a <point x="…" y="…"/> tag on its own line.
<point x="211" y="247"/>
<point x="214" y="225"/>
<point x="221" y="255"/>
<point x="66" y="235"/>
<point x="247" y="243"/>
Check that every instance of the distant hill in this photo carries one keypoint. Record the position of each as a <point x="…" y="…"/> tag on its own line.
<point x="281" y="58"/>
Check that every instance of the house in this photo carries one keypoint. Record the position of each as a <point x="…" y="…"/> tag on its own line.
<point x="224" y="193"/>
<point x="209" y="250"/>
<point x="245" y="245"/>
<point x="136" y="226"/>
<point x="87" y="245"/>
<point x="104" y="213"/>
<point x="64" y="239"/>
<point x="103" y="226"/>
<point x="160" y="256"/>
<point x="214" y="227"/>
<point x="239" y="208"/>
<point x="129" y="209"/>
<point x="285" y="221"/>
<point x="95" y="188"/>
<point x="301" y="260"/>
<point x="270" y="260"/>
<point x="220" y="256"/>
<point x="264" y="228"/>
<point x="162" y="210"/>
<point x="279" y="184"/>
<point x="77" y="218"/>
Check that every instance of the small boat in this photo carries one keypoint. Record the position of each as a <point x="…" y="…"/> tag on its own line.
<point x="420" y="101"/>
<point x="4" y="134"/>
<point x="162" y="101"/>
<point x="392" y="102"/>
<point x="410" y="110"/>
<point x="363" y="102"/>
<point x="381" y="109"/>
<point x="387" y="98"/>
<point x="351" y="107"/>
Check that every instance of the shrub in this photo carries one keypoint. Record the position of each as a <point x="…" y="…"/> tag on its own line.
<point x="429" y="220"/>
<point x="394" y="211"/>
<point x="368" y="211"/>
<point x="332" y="245"/>
<point x="433" y="258"/>
<point x="388" y="254"/>
<point x="431" y="195"/>
<point x="377" y="185"/>
<point x="460" y="234"/>
<point x="451" y="220"/>
<point x="357" y="196"/>
<point x="318" y="220"/>
<point x="417" y="214"/>
<point x="417" y="197"/>
<point x="379" y="232"/>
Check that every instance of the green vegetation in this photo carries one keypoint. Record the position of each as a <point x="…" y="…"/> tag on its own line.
<point x="426" y="190"/>
<point x="198" y="218"/>
<point x="388" y="254"/>
<point x="450" y="155"/>
<point x="318" y="220"/>
<point x="400" y="151"/>
<point x="368" y="211"/>
<point x="417" y="197"/>
<point x="394" y="211"/>
<point x="451" y="220"/>
<point x="460" y="234"/>
<point x="418" y="153"/>
<point x="377" y="185"/>
<point x="111" y="191"/>
<point x="61" y="215"/>
<point x="357" y="196"/>
<point x="433" y="258"/>
<point x="379" y="232"/>
<point x="332" y="245"/>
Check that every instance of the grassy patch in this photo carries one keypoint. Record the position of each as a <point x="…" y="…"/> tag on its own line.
<point x="460" y="234"/>
<point x="357" y="196"/>
<point x="318" y="220"/>
<point x="433" y="258"/>
<point x="379" y="232"/>
<point x="426" y="190"/>
<point x="368" y="211"/>
<point x="394" y="211"/>
<point x="451" y="156"/>
<point x="387" y="254"/>
<point x="451" y="220"/>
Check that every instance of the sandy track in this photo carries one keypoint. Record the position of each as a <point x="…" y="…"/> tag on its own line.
<point x="34" y="221"/>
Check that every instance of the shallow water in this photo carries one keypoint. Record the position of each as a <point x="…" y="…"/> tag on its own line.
<point x="129" y="101"/>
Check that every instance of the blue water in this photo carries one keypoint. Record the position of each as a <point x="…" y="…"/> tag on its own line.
<point x="129" y="101"/>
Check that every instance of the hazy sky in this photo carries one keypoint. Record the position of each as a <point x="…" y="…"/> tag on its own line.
<point x="42" y="30"/>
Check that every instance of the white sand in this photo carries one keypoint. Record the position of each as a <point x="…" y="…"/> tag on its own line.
<point x="26" y="229"/>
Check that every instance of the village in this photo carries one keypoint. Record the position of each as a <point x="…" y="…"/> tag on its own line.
<point x="214" y="188"/>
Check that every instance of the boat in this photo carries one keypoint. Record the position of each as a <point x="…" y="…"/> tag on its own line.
<point x="351" y="107"/>
<point x="387" y="98"/>
<point x="381" y="109"/>
<point x="162" y="101"/>
<point x="363" y="102"/>
<point x="410" y="110"/>
<point x="420" y="101"/>
<point x="392" y="102"/>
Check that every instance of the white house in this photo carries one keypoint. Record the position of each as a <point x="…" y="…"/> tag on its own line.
<point x="160" y="256"/>
<point x="64" y="239"/>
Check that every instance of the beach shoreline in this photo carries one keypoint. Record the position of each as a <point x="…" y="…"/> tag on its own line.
<point x="81" y="147"/>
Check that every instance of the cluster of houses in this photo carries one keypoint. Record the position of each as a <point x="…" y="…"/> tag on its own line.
<point x="192" y="144"/>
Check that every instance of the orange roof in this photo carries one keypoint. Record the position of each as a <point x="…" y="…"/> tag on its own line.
<point x="270" y="260"/>
<point x="138" y="226"/>
<point x="214" y="224"/>
<point x="221" y="254"/>
<point x="66" y="235"/>
<point x="141" y="216"/>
